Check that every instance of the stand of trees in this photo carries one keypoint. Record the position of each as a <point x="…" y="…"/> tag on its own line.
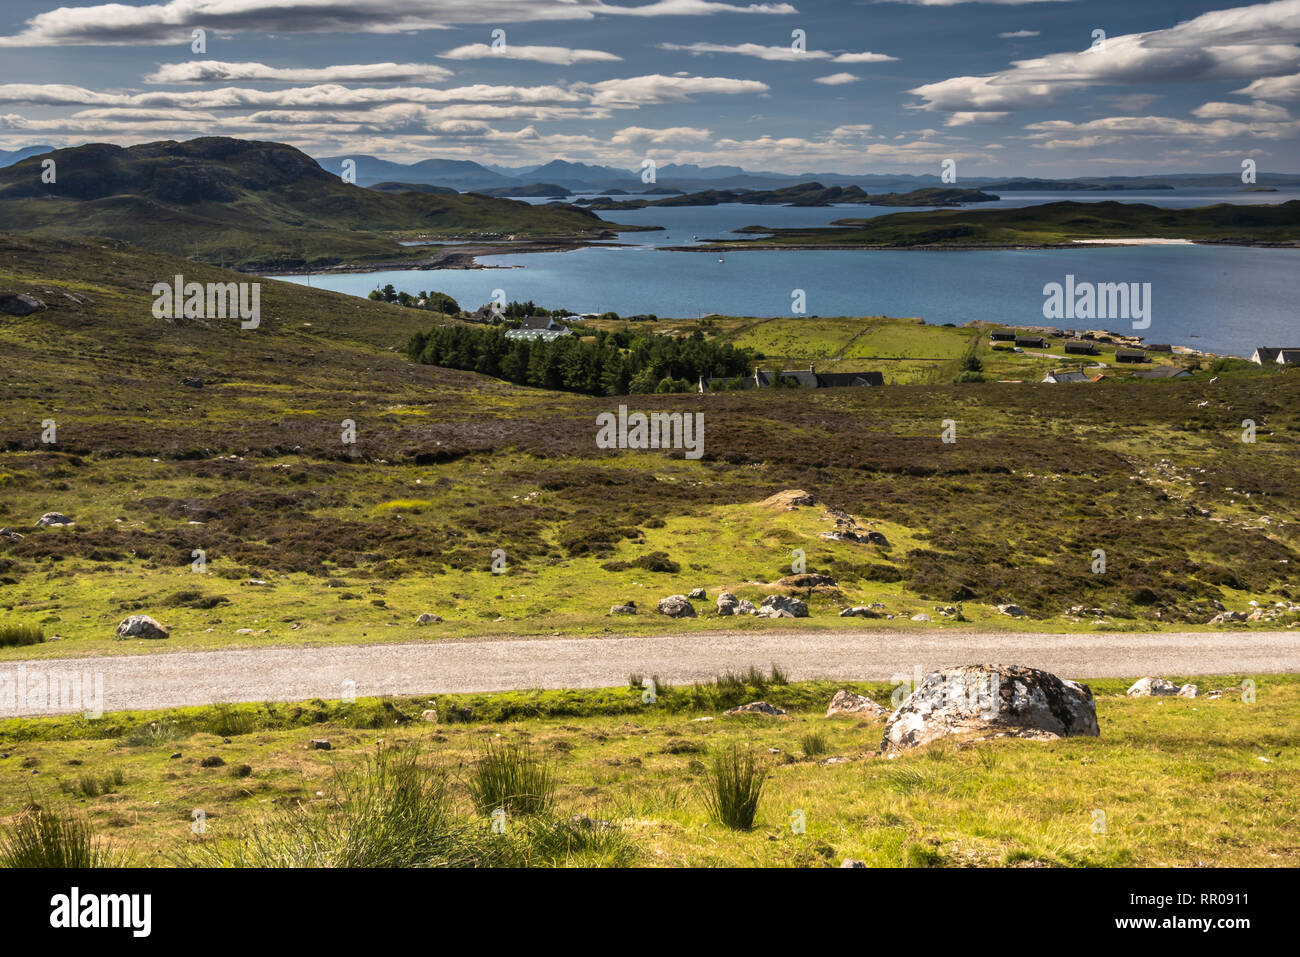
<point x="614" y="363"/>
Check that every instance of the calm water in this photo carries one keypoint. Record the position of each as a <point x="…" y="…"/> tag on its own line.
<point x="1222" y="299"/>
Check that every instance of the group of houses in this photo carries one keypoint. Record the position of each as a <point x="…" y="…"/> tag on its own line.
<point x="809" y="379"/>
<point x="1267" y="355"/>
<point x="539" y="327"/>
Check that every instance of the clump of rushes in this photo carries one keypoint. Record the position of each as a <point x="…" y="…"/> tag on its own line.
<point x="511" y="777"/>
<point x="43" y="838"/>
<point x="12" y="635"/>
<point x="813" y="744"/>
<point x="733" y="784"/>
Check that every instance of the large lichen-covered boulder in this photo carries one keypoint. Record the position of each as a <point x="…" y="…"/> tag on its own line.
<point x="142" y="626"/>
<point x="991" y="701"/>
<point x="676" y="606"/>
<point x="793" y="607"/>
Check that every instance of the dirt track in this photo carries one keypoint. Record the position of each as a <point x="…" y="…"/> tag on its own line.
<point x="462" y="665"/>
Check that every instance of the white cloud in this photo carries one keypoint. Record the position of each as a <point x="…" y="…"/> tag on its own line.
<point x="638" y="135"/>
<point x="837" y="79"/>
<point x="171" y="22"/>
<point x="206" y="71"/>
<point x="784" y="54"/>
<point x="656" y="88"/>
<point x="1274" y="87"/>
<point x="1259" y="110"/>
<point x="1243" y="42"/>
<point x="559" y="56"/>
<point x="1018" y="34"/>
<point x="967" y="118"/>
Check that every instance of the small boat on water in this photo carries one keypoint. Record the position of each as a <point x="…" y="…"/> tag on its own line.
<point x="721" y="260"/>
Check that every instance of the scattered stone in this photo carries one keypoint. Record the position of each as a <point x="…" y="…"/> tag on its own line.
<point x="851" y="862"/>
<point x="727" y="603"/>
<point x="1227" y="616"/>
<point x="774" y="613"/>
<point x="11" y="535"/>
<point x="212" y="761"/>
<point x="19" y="304"/>
<point x="833" y="760"/>
<point x="318" y="744"/>
<point x="142" y="626"/>
<point x="789" y="500"/>
<point x="698" y="594"/>
<point x="846" y="702"/>
<point x="757" y="707"/>
<point x="626" y="609"/>
<point x="53" y="518"/>
<point x="1006" y="699"/>
<point x="1015" y="611"/>
<point x="1151" y="687"/>
<point x="806" y="580"/>
<point x="859" y="611"/>
<point x="427" y="619"/>
<point x="1187" y="691"/>
<point x="430" y="715"/>
<point x="676" y="606"/>
<point x="920" y="616"/>
<point x="746" y="607"/>
<point x="796" y="607"/>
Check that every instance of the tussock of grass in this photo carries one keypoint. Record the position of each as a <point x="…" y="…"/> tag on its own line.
<point x="13" y="635"/>
<point x="44" y="838"/>
<point x="513" y="778"/>
<point x="733" y="784"/>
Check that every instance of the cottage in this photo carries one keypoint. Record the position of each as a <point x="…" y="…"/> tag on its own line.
<point x="1281" y="355"/>
<point x="1002" y="335"/>
<point x="542" y="328"/>
<point x="1130" y="355"/>
<point x="1163" y="372"/>
<point x="1160" y="347"/>
<point x="1055" y="377"/>
<point x="1031" y="342"/>
<point x="1080" y="348"/>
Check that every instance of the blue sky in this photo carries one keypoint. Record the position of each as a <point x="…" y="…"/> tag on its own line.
<point x="1003" y="87"/>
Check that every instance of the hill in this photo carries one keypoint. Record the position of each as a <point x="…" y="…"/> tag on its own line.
<point x="391" y="187"/>
<point x="254" y="205"/>
<point x="805" y="194"/>
<point x="1049" y="224"/>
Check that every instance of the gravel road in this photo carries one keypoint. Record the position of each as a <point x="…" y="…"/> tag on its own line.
<point x="463" y="665"/>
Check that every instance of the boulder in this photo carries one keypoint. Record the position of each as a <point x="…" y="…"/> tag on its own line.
<point x="1187" y="691"/>
<point x="1227" y="616"/>
<point x="793" y="607"/>
<point x="746" y="607"/>
<point x="757" y="707"/>
<point x="427" y="618"/>
<point x="698" y="594"/>
<point x="788" y="500"/>
<point x="19" y="304"/>
<point x="676" y="606"/>
<point x="141" y="626"/>
<point x="1151" y="687"/>
<point x="846" y="702"/>
<point x="920" y="616"/>
<point x="626" y="609"/>
<point x="806" y="580"/>
<point x="1015" y="611"/>
<point x="10" y="535"/>
<point x="430" y="715"/>
<point x="727" y="603"/>
<point x="859" y="611"/>
<point x="318" y="744"/>
<point x="53" y="518"/>
<point x="997" y="700"/>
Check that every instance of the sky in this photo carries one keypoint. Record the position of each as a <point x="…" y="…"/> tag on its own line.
<point x="1051" y="88"/>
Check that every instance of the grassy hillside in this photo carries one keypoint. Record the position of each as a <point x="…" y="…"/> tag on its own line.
<point x="1047" y="224"/>
<point x="253" y="204"/>
<point x="175" y="436"/>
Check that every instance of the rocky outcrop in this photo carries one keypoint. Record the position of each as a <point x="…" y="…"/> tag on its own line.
<point x="53" y="518"/>
<point x="1015" y="611"/>
<point x="142" y="626"/>
<point x="627" y="608"/>
<point x="783" y="606"/>
<point x="676" y="606"/>
<point x="19" y="304"/>
<point x="698" y="594"/>
<point x="847" y="703"/>
<point x="757" y="707"/>
<point x="860" y="611"/>
<point x="428" y="618"/>
<point x="1152" y="687"/>
<point x="806" y="580"/>
<point x="991" y="700"/>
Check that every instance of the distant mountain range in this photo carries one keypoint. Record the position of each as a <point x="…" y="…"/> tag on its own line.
<point x="9" y="157"/>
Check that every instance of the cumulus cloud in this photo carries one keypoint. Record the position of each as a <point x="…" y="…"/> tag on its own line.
<point x="657" y="88"/>
<point x="1274" y="87"/>
<point x="207" y="71"/>
<point x="837" y="79"/>
<point x="1259" y="110"/>
<point x="786" y="54"/>
<point x="967" y="118"/>
<point x="640" y="135"/>
<point x="172" y="21"/>
<point x="1243" y="42"/>
<point x="559" y="56"/>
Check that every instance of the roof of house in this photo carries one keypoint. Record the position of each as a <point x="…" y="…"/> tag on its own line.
<point x="1066" y="377"/>
<point x="537" y="322"/>
<point x="1266" y="354"/>
<point x="1030" y="339"/>
<point x="1075" y="345"/>
<point x="1130" y="354"/>
<point x="1162" y="372"/>
<point x="833" y="380"/>
<point x="1001" y="334"/>
<point x="1289" y="356"/>
<point x="544" y="334"/>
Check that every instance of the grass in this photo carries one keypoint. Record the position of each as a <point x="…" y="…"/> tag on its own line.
<point x="21" y="635"/>
<point x="733" y="785"/>
<point x="1182" y="782"/>
<point x="43" y="838"/>
<point x="511" y="778"/>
